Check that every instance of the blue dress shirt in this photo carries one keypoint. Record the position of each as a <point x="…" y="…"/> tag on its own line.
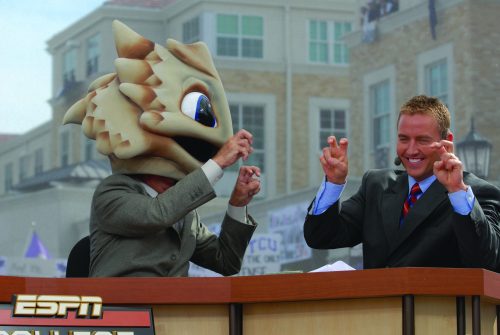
<point x="329" y="193"/>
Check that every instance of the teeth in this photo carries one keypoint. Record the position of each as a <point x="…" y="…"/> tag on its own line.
<point x="414" y="160"/>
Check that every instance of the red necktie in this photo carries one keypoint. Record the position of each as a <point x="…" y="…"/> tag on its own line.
<point x="410" y="201"/>
<point x="158" y="183"/>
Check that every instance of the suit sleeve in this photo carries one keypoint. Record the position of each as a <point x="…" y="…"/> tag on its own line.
<point x="223" y="254"/>
<point x="340" y="225"/>
<point x="122" y="207"/>
<point x="478" y="233"/>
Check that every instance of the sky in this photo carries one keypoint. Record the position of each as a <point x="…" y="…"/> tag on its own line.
<point x="25" y="65"/>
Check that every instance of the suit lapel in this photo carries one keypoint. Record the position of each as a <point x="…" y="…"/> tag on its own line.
<point x="392" y="204"/>
<point x="428" y="202"/>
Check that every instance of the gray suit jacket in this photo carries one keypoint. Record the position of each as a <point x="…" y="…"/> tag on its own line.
<point x="132" y="234"/>
<point x="433" y="235"/>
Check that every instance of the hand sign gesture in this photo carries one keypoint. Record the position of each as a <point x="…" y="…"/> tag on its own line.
<point x="334" y="160"/>
<point x="448" y="170"/>
<point x="247" y="185"/>
<point x="237" y="146"/>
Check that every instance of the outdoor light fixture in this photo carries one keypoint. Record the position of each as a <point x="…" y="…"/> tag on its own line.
<point x="474" y="152"/>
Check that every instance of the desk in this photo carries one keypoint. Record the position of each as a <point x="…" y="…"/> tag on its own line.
<point x="380" y="301"/>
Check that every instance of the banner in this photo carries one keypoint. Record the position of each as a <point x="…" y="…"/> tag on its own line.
<point x="32" y="267"/>
<point x="262" y="256"/>
<point x="289" y="223"/>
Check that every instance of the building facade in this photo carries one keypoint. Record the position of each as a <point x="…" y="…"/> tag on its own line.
<point x="294" y="72"/>
<point x="459" y="65"/>
<point x="277" y="59"/>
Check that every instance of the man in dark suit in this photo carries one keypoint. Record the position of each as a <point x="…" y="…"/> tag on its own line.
<point x="451" y="219"/>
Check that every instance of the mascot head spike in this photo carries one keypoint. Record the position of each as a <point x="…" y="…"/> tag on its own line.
<point x="163" y="112"/>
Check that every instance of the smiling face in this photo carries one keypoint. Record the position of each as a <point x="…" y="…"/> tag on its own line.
<point x="416" y="132"/>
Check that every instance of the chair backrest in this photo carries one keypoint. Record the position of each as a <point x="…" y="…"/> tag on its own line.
<point x="79" y="259"/>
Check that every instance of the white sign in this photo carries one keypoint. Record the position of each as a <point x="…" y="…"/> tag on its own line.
<point x="198" y="271"/>
<point x="32" y="267"/>
<point x="289" y="223"/>
<point x="262" y="256"/>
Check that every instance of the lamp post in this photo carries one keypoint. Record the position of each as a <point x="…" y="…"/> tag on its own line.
<point x="474" y="151"/>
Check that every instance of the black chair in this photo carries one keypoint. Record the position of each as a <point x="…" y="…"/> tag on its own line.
<point x="79" y="259"/>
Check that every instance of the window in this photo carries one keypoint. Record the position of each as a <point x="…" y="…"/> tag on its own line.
<point x="191" y="30"/>
<point x="436" y="80"/>
<point x="8" y="178"/>
<point x="318" y="42"/>
<point x="64" y="146"/>
<point x="327" y="116"/>
<point x="380" y="115"/>
<point x="227" y="35"/>
<point x="435" y="75"/>
<point x="326" y="43"/>
<point x="38" y="161"/>
<point x="331" y="122"/>
<point x="240" y="36"/>
<point x="23" y="167"/>
<point x="340" y="50"/>
<point x="252" y="31"/>
<point x="251" y="118"/>
<point x="257" y="114"/>
<point x="93" y="53"/>
<point x="69" y="67"/>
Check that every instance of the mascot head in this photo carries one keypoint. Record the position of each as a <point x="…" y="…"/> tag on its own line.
<point x="163" y="112"/>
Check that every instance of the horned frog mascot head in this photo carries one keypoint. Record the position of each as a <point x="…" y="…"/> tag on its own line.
<point x="163" y="112"/>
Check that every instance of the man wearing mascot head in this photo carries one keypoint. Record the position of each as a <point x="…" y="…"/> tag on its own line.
<point x="164" y="122"/>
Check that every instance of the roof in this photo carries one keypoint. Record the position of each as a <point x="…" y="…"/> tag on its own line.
<point x="141" y="3"/>
<point x="76" y="173"/>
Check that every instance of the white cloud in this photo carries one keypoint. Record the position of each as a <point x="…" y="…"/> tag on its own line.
<point x="25" y="65"/>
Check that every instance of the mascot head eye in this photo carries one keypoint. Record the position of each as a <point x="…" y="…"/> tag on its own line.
<point x="197" y="106"/>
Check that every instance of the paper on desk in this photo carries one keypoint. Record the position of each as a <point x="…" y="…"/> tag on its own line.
<point x="336" y="266"/>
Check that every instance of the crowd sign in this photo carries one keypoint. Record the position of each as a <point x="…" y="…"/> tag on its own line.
<point x="198" y="271"/>
<point x="266" y="252"/>
<point x="262" y="255"/>
<point x="32" y="267"/>
<point x="288" y="222"/>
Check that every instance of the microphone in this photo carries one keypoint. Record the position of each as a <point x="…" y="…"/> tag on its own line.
<point x="397" y="161"/>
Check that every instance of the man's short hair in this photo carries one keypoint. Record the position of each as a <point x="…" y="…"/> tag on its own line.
<point x="422" y="104"/>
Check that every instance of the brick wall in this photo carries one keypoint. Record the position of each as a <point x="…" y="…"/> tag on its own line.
<point x="470" y="28"/>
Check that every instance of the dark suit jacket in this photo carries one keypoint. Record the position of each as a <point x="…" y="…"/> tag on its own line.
<point x="433" y="235"/>
<point x="135" y="235"/>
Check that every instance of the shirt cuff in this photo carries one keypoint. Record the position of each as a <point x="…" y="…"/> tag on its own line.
<point x="328" y="194"/>
<point x="213" y="171"/>
<point x="237" y="213"/>
<point x="462" y="201"/>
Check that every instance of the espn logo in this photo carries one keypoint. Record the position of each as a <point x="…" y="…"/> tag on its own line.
<point x="57" y="305"/>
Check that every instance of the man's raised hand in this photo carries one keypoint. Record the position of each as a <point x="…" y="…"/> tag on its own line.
<point x="449" y="169"/>
<point x="237" y="146"/>
<point x="334" y="160"/>
<point x="247" y="185"/>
